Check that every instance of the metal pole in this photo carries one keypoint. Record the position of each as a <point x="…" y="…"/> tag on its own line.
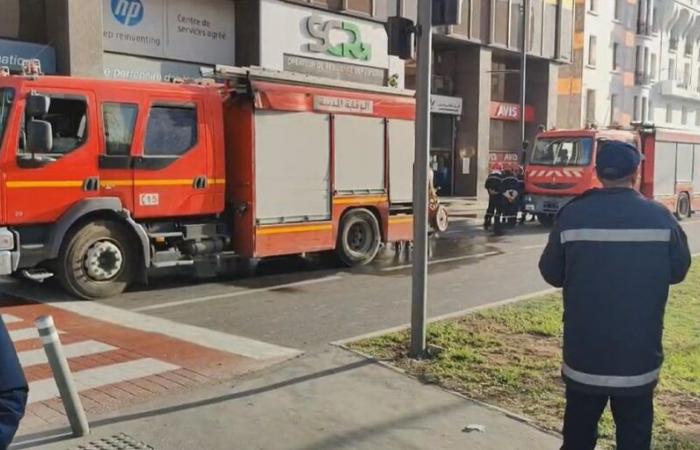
<point x="62" y="375"/>
<point x="523" y="72"/>
<point x="420" y="179"/>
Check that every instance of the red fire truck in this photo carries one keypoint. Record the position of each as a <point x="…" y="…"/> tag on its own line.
<point x="562" y="166"/>
<point x="103" y="180"/>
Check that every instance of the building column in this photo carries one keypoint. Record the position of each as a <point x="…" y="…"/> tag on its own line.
<point x="473" y="84"/>
<point x="74" y="27"/>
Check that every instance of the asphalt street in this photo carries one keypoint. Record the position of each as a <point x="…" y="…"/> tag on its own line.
<point x="305" y="303"/>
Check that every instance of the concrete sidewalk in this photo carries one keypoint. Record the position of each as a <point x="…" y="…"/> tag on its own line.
<point x="328" y="400"/>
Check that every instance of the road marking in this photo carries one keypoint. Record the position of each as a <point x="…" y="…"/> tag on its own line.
<point x="532" y="247"/>
<point x="235" y="294"/>
<point x="9" y="318"/>
<point x="448" y="316"/>
<point x="25" y="334"/>
<point x="46" y="389"/>
<point x="442" y="261"/>
<point x="34" y="357"/>
<point x="216" y="340"/>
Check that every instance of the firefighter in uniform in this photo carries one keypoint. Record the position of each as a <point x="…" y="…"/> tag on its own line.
<point x="511" y="198"/>
<point x="13" y="389"/>
<point x="520" y="174"/>
<point x="615" y="253"/>
<point x="494" y="186"/>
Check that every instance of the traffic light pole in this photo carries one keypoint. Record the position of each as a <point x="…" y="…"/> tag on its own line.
<point x="523" y="74"/>
<point x="420" y="180"/>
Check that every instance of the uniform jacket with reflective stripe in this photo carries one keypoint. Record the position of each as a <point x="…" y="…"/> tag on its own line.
<point x="13" y="389"/>
<point x="615" y="254"/>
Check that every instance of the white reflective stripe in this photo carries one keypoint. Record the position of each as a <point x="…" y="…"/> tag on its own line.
<point x="602" y="235"/>
<point x="610" y="381"/>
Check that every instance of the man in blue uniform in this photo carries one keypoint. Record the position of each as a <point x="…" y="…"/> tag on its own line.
<point x="13" y="389"/>
<point x="615" y="253"/>
<point x="494" y="186"/>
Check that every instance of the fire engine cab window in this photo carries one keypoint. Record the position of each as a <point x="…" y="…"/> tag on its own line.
<point x="68" y="119"/>
<point x="119" y="122"/>
<point x="6" y="98"/>
<point x="563" y="152"/>
<point x="172" y="131"/>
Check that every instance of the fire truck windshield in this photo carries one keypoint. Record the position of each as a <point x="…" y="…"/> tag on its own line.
<point x="7" y="96"/>
<point x="563" y="152"/>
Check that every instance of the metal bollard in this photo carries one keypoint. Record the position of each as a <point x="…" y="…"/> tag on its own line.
<point x="62" y="375"/>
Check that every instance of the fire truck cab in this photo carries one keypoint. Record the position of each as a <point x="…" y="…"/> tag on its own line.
<point x="562" y="166"/>
<point x="103" y="180"/>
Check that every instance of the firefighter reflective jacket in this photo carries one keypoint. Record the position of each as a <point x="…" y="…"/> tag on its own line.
<point x="13" y="389"/>
<point x="615" y="253"/>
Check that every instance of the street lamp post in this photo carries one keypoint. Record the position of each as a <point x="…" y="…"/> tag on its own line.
<point x="420" y="180"/>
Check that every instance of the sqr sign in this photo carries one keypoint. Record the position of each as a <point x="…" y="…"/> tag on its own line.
<point x="320" y="30"/>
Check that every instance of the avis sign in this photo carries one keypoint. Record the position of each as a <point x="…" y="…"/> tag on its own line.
<point x="338" y="38"/>
<point x="511" y="112"/>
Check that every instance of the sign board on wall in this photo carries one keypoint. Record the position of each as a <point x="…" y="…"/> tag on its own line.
<point x="440" y="104"/>
<point x="125" y="67"/>
<point x="511" y="112"/>
<point x="201" y="31"/>
<point x="14" y="53"/>
<point x="298" y="38"/>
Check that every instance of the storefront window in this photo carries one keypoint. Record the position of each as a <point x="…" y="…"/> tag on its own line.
<point x="500" y="30"/>
<point x="563" y="152"/>
<point x="7" y="96"/>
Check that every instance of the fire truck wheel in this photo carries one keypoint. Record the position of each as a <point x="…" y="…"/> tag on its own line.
<point x="359" y="238"/>
<point x="683" y="206"/>
<point x="97" y="260"/>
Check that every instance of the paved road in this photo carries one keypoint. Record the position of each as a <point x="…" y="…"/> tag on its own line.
<point x="306" y="304"/>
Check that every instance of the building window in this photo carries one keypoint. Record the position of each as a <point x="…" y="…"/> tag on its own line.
<point x="671" y="69"/>
<point x="669" y="113"/>
<point x="361" y="6"/>
<point x="635" y="109"/>
<point x="686" y="76"/>
<point x="618" y="9"/>
<point x="652" y="67"/>
<point x="616" y="56"/>
<point x="697" y="117"/>
<point x="645" y="109"/>
<point x="593" y="5"/>
<point x="655" y="21"/>
<point x="613" y="106"/>
<point x="638" y="66"/>
<point x="590" y="106"/>
<point x="688" y="47"/>
<point x="684" y="115"/>
<point x="592" y="50"/>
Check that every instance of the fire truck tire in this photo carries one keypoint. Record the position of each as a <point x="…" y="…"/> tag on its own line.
<point x="359" y="238"/>
<point x="683" y="209"/>
<point x="546" y="219"/>
<point x="97" y="260"/>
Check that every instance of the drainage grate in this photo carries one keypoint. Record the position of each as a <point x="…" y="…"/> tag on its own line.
<point x="119" y="441"/>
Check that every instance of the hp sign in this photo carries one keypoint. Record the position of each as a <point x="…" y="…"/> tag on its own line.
<point x="127" y="12"/>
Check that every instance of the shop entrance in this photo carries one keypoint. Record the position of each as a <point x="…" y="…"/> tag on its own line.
<point x="442" y="151"/>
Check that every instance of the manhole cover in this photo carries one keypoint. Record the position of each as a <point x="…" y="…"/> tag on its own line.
<point x="119" y="441"/>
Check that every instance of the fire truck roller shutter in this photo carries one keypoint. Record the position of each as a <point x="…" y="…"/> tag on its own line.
<point x="292" y="167"/>
<point x="696" y="169"/>
<point x="94" y="206"/>
<point x="359" y="155"/>
<point x="665" y="169"/>
<point x="401" y="152"/>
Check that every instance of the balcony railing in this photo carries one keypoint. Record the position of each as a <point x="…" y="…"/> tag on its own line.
<point x="642" y="78"/>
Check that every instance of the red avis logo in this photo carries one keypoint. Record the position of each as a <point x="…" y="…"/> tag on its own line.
<point x="507" y="111"/>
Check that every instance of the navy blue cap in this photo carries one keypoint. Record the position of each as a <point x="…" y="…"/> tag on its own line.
<point x="617" y="159"/>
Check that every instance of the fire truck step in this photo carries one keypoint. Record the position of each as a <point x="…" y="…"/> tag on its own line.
<point x="38" y="275"/>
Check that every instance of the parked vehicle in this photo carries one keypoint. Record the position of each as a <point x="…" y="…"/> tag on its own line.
<point x="104" y="180"/>
<point x="562" y="166"/>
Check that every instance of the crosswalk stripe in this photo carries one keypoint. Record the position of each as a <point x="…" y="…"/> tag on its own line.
<point x="25" y="333"/>
<point x="9" y="318"/>
<point x="42" y="390"/>
<point x="34" y="357"/>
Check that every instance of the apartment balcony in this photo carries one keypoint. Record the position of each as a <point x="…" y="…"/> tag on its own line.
<point x="679" y="89"/>
<point x="642" y="79"/>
